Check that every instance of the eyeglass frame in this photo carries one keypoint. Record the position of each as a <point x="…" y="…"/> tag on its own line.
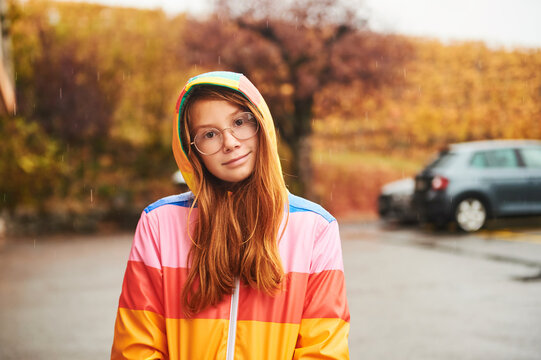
<point x="232" y="133"/>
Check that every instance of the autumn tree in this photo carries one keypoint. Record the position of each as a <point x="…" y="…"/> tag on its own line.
<point x="291" y="52"/>
<point x="96" y="89"/>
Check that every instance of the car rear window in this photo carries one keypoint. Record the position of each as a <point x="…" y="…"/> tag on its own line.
<point x="443" y="160"/>
<point x="531" y="157"/>
<point x="500" y="158"/>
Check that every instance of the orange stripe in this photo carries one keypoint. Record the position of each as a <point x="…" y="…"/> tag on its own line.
<point x="326" y="296"/>
<point x="322" y="339"/>
<point x="197" y="338"/>
<point x="139" y="335"/>
<point x="263" y="340"/>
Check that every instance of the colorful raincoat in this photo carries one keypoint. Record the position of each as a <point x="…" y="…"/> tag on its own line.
<point x="308" y="319"/>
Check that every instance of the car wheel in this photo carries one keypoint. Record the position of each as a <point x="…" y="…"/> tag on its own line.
<point x="470" y="214"/>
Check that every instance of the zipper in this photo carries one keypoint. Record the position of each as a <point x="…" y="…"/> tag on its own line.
<point x="233" y="322"/>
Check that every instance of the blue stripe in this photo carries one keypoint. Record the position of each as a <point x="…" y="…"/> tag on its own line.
<point x="222" y="74"/>
<point x="184" y="200"/>
<point x="298" y="204"/>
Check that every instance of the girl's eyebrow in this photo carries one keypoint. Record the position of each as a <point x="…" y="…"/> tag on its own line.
<point x="230" y="116"/>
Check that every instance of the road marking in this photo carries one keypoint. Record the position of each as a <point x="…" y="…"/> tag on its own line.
<point x="508" y="235"/>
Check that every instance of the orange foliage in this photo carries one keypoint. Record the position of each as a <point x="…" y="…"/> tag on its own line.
<point x="451" y="93"/>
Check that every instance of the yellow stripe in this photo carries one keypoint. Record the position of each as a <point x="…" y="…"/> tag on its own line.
<point x="322" y="339"/>
<point x="139" y="334"/>
<point x="508" y="235"/>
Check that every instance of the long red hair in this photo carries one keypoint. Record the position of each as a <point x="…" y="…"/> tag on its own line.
<point x="237" y="231"/>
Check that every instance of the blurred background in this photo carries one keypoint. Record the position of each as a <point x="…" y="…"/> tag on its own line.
<point x="363" y="93"/>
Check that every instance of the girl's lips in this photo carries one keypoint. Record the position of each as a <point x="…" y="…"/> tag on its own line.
<point x="237" y="160"/>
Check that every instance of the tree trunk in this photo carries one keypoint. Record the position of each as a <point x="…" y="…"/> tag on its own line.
<point x="304" y="167"/>
<point x="301" y="149"/>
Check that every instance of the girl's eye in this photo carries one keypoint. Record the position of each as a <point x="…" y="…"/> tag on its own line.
<point x="239" y="122"/>
<point x="209" y="134"/>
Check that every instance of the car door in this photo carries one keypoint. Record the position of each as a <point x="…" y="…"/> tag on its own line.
<point x="503" y="177"/>
<point x="531" y="157"/>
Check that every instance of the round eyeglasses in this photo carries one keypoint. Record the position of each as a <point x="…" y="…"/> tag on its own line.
<point x="209" y="141"/>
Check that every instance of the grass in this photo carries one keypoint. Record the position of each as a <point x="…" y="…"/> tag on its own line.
<point x="348" y="183"/>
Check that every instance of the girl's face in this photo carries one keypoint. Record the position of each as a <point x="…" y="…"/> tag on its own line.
<point x="235" y="161"/>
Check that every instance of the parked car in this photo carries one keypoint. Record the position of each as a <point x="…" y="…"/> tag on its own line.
<point x="473" y="181"/>
<point x="395" y="201"/>
<point x="179" y="181"/>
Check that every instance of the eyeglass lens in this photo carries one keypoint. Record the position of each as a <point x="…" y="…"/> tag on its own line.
<point x="210" y="140"/>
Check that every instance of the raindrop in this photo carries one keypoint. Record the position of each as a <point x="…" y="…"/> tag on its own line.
<point x="98" y="75"/>
<point x="219" y="59"/>
<point x="267" y="23"/>
<point x="91" y="196"/>
<point x="60" y="94"/>
<point x="123" y="76"/>
<point x="404" y="70"/>
<point x="331" y="195"/>
<point x="377" y="64"/>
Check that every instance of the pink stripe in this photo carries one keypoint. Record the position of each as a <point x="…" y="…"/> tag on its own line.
<point x="168" y="243"/>
<point x="311" y="251"/>
<point x="310" y="244"/>
<point x="250" y="90"/>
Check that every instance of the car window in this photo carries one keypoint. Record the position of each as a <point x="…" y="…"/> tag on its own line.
<point x="501" y="158"/>
<point x="532" y="157"/>
<point x="479" y="160"/>
<point x="443" y="160"/>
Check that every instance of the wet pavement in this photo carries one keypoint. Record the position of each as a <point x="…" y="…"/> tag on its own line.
<point x="59" y="296"/>
<point x="413" y="294"/>
<point x="418" y="294"/>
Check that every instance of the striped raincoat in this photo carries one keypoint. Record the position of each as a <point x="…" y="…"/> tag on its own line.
<point x="307" y="319"/>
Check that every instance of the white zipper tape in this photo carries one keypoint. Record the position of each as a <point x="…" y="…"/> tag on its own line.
<point x="233" y="322"/>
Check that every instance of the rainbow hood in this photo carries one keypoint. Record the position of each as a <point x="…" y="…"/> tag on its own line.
<point x="235" y="81"/>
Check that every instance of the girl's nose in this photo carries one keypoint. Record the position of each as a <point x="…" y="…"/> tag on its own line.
<point x="229" y="141"/>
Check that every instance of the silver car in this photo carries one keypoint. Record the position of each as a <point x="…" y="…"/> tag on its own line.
<point x="394" y="201"/>
<point x="473" y="181"/>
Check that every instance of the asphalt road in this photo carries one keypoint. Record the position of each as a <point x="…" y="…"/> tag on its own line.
<point x="413" y="294"/>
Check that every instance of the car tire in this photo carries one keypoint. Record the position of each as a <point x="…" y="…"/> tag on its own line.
<point x="470" y="214"/>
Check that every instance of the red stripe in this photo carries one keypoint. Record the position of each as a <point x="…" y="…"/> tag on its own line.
<point x="326" y="296"/>
<point x="321" y="295"/>
<point x="142" y="288"/>
<point x="285" y="307"/>
<point x="174" y="279"/>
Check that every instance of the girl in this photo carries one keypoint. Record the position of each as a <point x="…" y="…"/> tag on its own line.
<point x="237" y="268"/>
